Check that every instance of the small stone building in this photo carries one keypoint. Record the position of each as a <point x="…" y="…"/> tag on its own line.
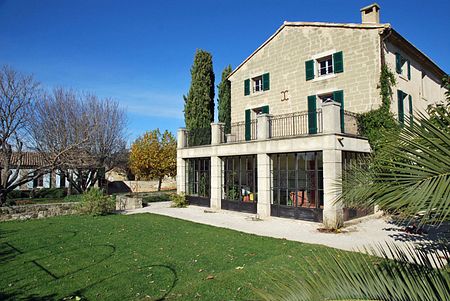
<point x="294" y="102"/>
<point x="30" y="161"/>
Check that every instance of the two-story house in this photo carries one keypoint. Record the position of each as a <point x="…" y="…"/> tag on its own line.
<point x="294" y="102"/>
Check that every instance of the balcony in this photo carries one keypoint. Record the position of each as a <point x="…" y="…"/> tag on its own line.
<point x="267" y="127"/>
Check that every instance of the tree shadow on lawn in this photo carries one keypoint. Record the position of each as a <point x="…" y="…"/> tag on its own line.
<point x="9" y="251"/>
<point x="113" y="283"/>
<point x="56" y="269"/>
<point x="7" y="297"/>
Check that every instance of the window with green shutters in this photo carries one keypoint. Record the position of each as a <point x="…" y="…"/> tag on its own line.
<point x="312" y="116"/>
<point x="326" y="65"/>
<point x="338" y="62"/>
<point x="400" y="63"/>
<point x="338" y="96"/>
<point x="309" y="66"/>
<point x="248" y="129"/>
<point x="401" y="110"/>
<point x="265" y="109"/>
<point x="259" y="83"/>
<point x="266" y="81"/>
<point x="246" y="87"/>
<point x="411" y="113"/>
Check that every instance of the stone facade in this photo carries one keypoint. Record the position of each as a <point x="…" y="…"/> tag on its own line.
<point x="284" y="56"/>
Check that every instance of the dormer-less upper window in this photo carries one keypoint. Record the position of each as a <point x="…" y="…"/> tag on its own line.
<point x="257" y="84"/>
<point x="325" y="65"/>
<point x="402" y="66"/>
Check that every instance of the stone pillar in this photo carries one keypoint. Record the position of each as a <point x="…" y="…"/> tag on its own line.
<point x="331" y="115"/>
<point x="217" y="133"/>
<point x="263" y="131"/>
<point x="263" y="206"/>
<point x="216" y="182"/>
<point x="181" y="138"/>
<point x="181" y="174"/>
<point x="333" y="215"/>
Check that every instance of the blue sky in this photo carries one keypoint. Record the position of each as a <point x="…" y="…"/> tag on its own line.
<point x="140" y="52"/>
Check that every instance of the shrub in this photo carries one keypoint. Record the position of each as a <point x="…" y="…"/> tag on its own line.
<point x="178" y="200"/>
<point x="50" y="193"/>
<point x="153" y="198"/>
<point x="95" y="202"/>
<point x="18" y="194"/>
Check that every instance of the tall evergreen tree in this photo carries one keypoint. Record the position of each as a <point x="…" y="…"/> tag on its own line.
<point x="224" y="100"/>
<point x="199" y="103"/>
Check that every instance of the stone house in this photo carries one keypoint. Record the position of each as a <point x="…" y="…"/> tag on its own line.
<point x="30" y="161"/>
<point x="294" y="102"/>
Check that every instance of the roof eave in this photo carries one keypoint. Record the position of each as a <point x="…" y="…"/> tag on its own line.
<point x="416" y="52"/>
<point x="309" y="24"/>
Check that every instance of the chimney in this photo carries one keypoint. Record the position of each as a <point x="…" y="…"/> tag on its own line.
<point x="370" y="14"/>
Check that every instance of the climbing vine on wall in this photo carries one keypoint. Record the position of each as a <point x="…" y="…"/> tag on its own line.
<point x="376" y="123"/>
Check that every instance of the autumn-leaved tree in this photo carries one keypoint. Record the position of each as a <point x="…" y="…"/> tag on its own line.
<point x="153" y="156"/>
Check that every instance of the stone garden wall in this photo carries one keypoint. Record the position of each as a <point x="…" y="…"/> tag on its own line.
<point x="36" y="211"/>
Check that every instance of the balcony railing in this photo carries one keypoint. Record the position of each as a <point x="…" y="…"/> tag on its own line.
<point x="293" y="124"/>
<point x="351" y="123"/>
<point x="238" y="134"/>
<point x="273" y="127"/>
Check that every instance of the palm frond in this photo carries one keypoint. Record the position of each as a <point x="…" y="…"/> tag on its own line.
<point x="410" y="174"/>
<point x="413" y="276"/>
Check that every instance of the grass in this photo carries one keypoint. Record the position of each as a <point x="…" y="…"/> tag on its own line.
<point x="140" y="257"/>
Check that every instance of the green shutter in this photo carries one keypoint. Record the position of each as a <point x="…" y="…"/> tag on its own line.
<point x="309" y="67"/>
<point x="312" y="116"/>
<point x="411" y="115"/>
<point x="401" y="111"/>
<point x="338" y="96"/>
<point x="398" y="63"/>
<point x="338" y="62"/>
<point x="248" y="129"/>
<point x="266" y="81"/>
<point x="409" y="69"/>
<point x="246" y="87"/>
<point x="265" y="109"/>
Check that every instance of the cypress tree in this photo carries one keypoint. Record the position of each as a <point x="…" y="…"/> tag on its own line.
<point x="224" y="99"/>
<point x="199" y="103"/>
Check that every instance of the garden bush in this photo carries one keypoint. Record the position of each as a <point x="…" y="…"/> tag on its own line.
<point x="95" y="202"/>
<point x="178" y="200"/>
<point x="49" y="193"/>
<point x="18" y="194"/>
<point x="153" y="198"/>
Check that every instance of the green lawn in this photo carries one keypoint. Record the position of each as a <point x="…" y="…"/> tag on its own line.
<point x="139" y="257"/>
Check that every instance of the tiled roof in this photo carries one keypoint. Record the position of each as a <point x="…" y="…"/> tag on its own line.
<point x="28" y="159"/>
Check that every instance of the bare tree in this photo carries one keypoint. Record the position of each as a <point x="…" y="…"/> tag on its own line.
<point x="17" y="95"/>
<point x="87" y="132"/>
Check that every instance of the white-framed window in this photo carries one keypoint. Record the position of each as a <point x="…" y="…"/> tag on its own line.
<point x="257" y="84"/>
<point x="325" y="65"/>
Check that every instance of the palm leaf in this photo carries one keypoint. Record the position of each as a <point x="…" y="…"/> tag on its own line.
<point x="409" y="175"/>
<point x="413" y="276"/>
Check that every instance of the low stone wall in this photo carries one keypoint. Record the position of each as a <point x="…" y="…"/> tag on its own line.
<point x="127" y="202"/>
<point x="36" y="211"/>
<point x="149" y="186"/>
